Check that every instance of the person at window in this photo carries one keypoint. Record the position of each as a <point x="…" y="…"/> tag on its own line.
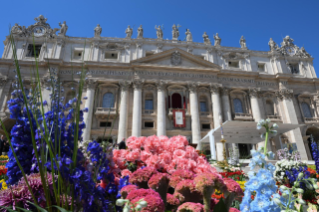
<point x="122" y="144"/>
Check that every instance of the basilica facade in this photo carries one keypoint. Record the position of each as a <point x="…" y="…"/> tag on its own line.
<point x="137" y="86"/>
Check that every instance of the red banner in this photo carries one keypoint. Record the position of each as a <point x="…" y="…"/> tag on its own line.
<point x="179" y="118"/>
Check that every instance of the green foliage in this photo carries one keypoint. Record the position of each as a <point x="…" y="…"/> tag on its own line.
<point x="221" y="206"/>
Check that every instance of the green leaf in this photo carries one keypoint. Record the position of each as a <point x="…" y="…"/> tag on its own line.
<point x="8" y="209"/>
<point x="221" y="206"/>
<point x="23" y="209"/>
<point x="38" y="207"/>
<point x="61" y="209"/>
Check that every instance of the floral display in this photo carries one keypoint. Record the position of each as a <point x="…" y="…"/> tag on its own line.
<point x="315" y="154"/>
<point x="3" y="160"/>
<point x="284" y="154"/>
<point x="285" y="167"/>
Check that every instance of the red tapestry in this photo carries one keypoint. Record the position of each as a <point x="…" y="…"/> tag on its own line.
<point x="179" y="118"/>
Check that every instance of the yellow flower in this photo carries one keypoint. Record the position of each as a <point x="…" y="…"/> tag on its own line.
<point x="4" y="185"/>
<point x="241" y="184"/>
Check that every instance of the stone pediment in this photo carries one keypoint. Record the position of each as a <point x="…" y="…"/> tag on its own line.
<point x="176" y="58"/>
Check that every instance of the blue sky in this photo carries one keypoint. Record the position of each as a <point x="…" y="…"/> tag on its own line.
<point x="257" y="20"/>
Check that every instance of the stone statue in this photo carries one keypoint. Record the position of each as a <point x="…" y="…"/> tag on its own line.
<point x="159" y="32"/>
<point x="129" y="32"/>
<point x="272" y="45"/>
<point x="97" y="31"/>
<point x="189" y="37"/>
<point x="206" y="38"/>
<point x="41" y="20"/>
<point x="175" y="32"/>
<point x="303" y="53"/>
<point x="218" y="40"/>
<point x="140" y="32"/>
<point x="16" y="29"/>
<point x="287" y="41"/>
<point x="242" y="42"/>
<point x="63" y="29"/>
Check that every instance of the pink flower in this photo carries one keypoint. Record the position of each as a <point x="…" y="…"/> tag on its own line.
<point x="153" y="161"/>
<point x="145" y="155"/>
<point x="180" y="175"/>
<point x="153" y="199"/>
<point x="159" y="179"/>
<point x="172" y="200"/>
<point x="127" y="189"/>
<point x="134" y="193"/>
<point x="233" y="210"/>
<point x="165" y="158"/>
<point x="133" y="155"/>
<point x="190" y="207"/>
<point x="153" y="145"/>
<point x="178" y="142"/>
<point x="142" y="176"/>
<point x="179" y="154"/>
<point x="208" y="182"/>
<point x="126" y="172"/>
<point x="135" y="143"/>
<point x="191" y="153"/>
<point x="233" y="187"/>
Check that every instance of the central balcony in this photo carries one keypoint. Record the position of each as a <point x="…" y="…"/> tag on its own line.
<point x="102" y="112"/>
<point x="243" y="117"/>
<point x="310" y="120"/>
<point x="274" y="118"/>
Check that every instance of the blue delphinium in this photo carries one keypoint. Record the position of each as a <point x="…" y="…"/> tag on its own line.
<point x="315" y="154"/>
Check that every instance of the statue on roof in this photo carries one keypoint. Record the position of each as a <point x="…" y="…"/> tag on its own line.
<point x="97" y="31"/>
<point x="272" y="45"/>
<point x="129" y="32"/>
<point x="63" y="29"/>
<point x="16" y="29"/>
<point x="206" y="39"/>
<point x="242" y="42"/>
<point x="140" y="32"/>
<point x="159" y="32"/>
<point x="175" y="32"/>
<point x="287" y="41"/>
<point x="218" y="40"/>
<point x="189" y="37"/>
<point x="41" y="20"/>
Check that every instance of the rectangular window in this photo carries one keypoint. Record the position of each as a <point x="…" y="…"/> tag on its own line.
<point x="111" y="55"/>
<point x="261" y="67"/>
<point x="77" y="55"/>
<point x="148" y="124"/>
<point x="294" y="68"/>
<point x="105" y="124"/>
<point x="149" y="104"/>
<point x="233" y="64"/>
<point x="203" y="107"/>
<point x="34" y="51"/>
<point x="206" y="126"/>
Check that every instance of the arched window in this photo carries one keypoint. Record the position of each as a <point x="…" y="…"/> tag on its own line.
<point x="238" y="106"/>
<point x="149" y="102"/>
<point x="306" y="110"/>
<point x="108" y="100"/>
<point x="176" y="100"/>
<point x="270" y="107"/>
<point x="203" y="104"/>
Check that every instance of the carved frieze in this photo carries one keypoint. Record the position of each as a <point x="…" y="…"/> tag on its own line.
<point x="284" y="94"/>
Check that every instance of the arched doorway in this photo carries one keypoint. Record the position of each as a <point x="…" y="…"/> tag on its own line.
<point x="314" y="131"/>
<point x="176" y="100"/>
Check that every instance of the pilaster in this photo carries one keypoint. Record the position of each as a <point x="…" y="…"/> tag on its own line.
<point x="91" y="84"/>
<point x="196" y="134"/>
<point x="161" y="109"/>
<point x="137" y="108"/>
<point x="122" y="131"/>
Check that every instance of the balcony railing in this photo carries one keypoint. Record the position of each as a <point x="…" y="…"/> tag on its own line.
<point x="243" y="117"/>
<point x="311" y="120"/>
<point x="148" y="112"/>
<point x="274" y="117"/>
<point x="103" y="112"/>
<point x="204" y="113"/>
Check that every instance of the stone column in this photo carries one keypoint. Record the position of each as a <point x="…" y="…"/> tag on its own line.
<point x="161" y="109"/>
<point x="226" y="104"/>
<point x="137" y="109"/>
<point x="217" y="115"/>
<point x="122" y="130"/>
<point x="196" y="134"/>
<point x="286" y="97"/>
<point x="89" y="104"/>
<point x="253" y="93"/>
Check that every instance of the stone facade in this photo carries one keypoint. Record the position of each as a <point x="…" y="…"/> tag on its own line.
<point x="133" y="84"/>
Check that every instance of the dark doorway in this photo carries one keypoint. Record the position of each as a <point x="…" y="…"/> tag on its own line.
<point x="176" y="100"/>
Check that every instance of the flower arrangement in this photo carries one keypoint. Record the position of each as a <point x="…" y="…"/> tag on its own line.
<point x="285" y="167"/>
<point x="284" y="154"/>
<point x="174" y="170"/>
<point x="236" y="175"/>
<point x="3" y="160"/>
<point x="315" y="153"/>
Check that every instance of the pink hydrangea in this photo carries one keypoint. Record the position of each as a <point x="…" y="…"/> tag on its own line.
<point x="126" y="172"/>
<point x="127" y="189"/>
<point x="165" y="158"/>
<point x="154" y="203"/>
<point x="210" y="181"/>
<point x="152" y="144"/>
<point x="153" y="161"/>
<point x="145" y="155"/>
<point x="140" y="193"/>
<point x="135" y="143"/>
<point x="190" y="207"/>
<point x="133" y="155"/>
<point x="142" y="176"/>
<point x="233" y="210"/>
<point x="172" y="200"/>
<point x="178" y="153"/>
<point x="233" y="187"/>
<point x="191" y="153"/>
<point x="180" y="175"/>
<point x="158" y="180"/>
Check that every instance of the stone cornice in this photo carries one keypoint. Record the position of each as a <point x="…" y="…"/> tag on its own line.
<point x="182" y="68"/>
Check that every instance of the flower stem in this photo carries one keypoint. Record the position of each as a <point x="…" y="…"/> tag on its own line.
<point x="266" y="141"/>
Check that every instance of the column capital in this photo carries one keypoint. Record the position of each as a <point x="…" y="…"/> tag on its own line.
<point x="192" y="87"/>
<point x="253" y="92"/>
<point x="225" y="91"/>
<point x="91" y="84"/>
<point x="284" y="94"/>
<point x="161" y="85"/>
<point x="214" y="88"/>
<point x="138" y="84"/>
<point x="125" y="85"/>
